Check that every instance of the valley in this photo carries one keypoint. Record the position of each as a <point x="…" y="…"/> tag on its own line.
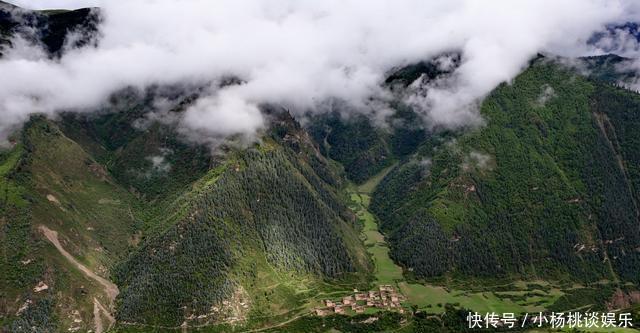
<point x="518" y="297"/>
<point x="274" y="293"/>
<point x="432" y="298"/>
<point x="180" y="204"/>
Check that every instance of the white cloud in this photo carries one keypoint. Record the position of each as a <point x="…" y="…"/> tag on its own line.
<point x="159" y="163"/>
<point x="546" y="95"/>
<point x="222" y="114"/>
<point x="55" y="4"/>
<point x="300" y="53"/>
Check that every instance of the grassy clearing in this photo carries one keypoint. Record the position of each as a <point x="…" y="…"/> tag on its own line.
<point x="433" y="298"/>
<point x="10" y="192"/>
<point x="75" y="196"/>
<point x="10" y="159"/>
<point x="386" y="271"/>
<point x="370" y="185"/>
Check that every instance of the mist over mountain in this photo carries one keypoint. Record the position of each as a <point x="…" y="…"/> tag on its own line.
<point x="287" y="166"/>
<point x="298" y="55"/>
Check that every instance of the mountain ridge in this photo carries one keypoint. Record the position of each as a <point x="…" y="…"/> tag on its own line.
<point x="535" y="210"/>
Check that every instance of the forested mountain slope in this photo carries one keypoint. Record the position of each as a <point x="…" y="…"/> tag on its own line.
<point x="364" y="147"/>
<point x="113" y="219"/>
<point x="200" y="238"/>
<point x="260" y="212"/>
<point x="545" y="190"/>
<point x="188" y="236"/>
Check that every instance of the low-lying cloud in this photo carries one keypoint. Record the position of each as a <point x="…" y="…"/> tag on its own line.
<point x="298" y="54"/>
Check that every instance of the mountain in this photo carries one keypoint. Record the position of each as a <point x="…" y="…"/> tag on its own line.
<point x="611" y="38"/>
<point x="111" y="220"/>
<point x="545" y="190"/>
<point x="50" y="183"/>
<point x="52" y="28"/>
<point x="253" y="216"/>
<point x="221" y="232"/>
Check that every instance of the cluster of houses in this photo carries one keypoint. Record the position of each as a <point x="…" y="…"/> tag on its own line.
<point x="385" y="298"/>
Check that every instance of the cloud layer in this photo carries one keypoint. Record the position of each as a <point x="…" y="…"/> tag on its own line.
<point x="61" y="4"/>
<point x="299" y="54"/>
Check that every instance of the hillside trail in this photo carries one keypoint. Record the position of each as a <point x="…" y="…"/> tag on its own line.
<point x="97" y="308"/>
<point x="110" y="289"/>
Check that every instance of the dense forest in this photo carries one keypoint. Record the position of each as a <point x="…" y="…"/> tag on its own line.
<point x="545" y="189"/>
<point x="262" y="203"/>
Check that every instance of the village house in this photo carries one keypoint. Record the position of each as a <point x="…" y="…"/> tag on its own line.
<point x="385" y="297"/>
<point x="386" y="287"/>
<point x="322" y="312"/>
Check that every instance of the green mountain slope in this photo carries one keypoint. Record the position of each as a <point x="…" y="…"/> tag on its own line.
<point x="150" y="160"/>
<point x="261" y="213"/>
<point x="254" y="236"/>
<point x="361" y="147"/>
<point x="113" y="221"/>
<point x="544" y="190"/>
<point x="354" y="142"/>
<point x="50" y="182"/>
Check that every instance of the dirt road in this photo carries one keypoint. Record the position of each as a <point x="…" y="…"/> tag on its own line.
<point x="109" y="287"/>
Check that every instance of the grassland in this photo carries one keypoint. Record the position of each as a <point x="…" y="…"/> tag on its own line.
<point x="9" y="190"/>
<point x="367" y="187"/>
<point x="386" y="271"/>
<point x="432" y="298"/>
